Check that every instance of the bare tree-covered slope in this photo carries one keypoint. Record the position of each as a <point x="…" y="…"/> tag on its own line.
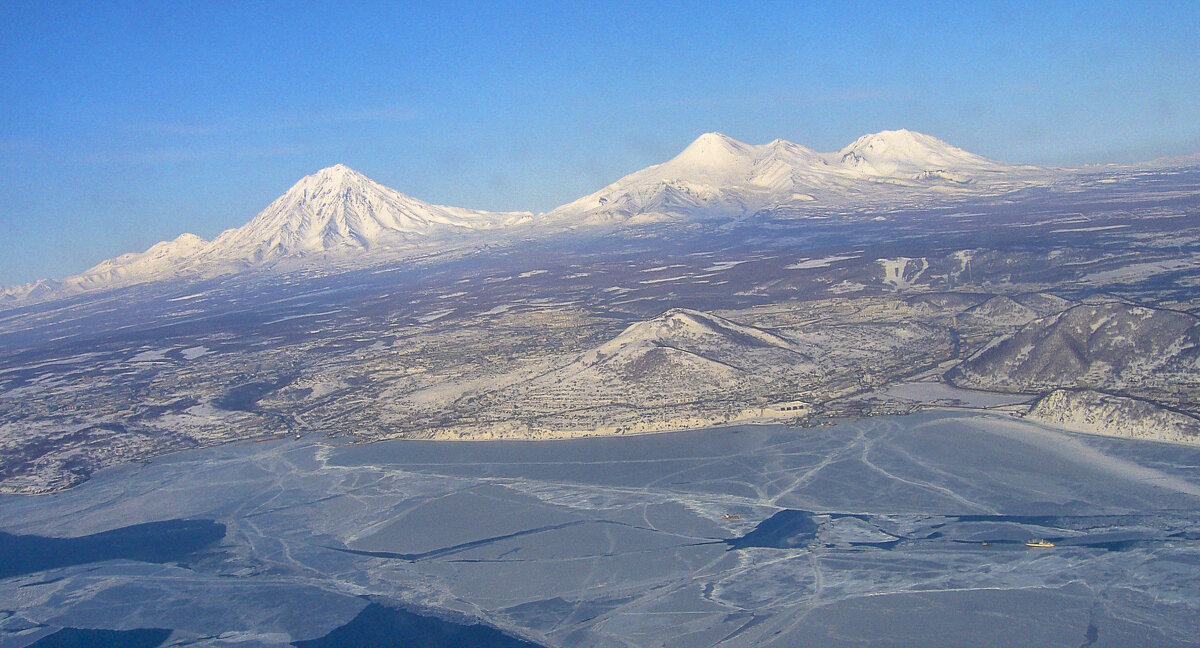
<point x="1110" y="346"/>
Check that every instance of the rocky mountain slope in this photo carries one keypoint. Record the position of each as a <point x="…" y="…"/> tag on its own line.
<point x="1014" y="310"/>
<point x="682" y="368"/>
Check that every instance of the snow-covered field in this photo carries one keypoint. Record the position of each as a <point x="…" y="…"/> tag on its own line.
<point x="905" y="531"/>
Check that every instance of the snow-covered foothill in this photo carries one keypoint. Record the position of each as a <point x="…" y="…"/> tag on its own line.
<point x="1094" y="412"/>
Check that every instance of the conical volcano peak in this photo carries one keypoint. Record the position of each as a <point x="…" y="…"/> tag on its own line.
<point x="337" y="170"/>
<point x="187" y="238"/>
<point x="338" y="209"/>
<point x="715" y="138"/>
<point x="714" y="150"/>
<point x="338" y="174"/>
<point x="335" y="185"/>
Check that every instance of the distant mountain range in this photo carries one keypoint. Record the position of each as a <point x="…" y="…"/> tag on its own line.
<point x="341" y="214"/>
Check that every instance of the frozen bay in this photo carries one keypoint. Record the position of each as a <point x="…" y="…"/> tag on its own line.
<point x="891" y="530"/>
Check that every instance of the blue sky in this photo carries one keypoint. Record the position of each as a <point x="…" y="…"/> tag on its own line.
<point x="122" y="124"/>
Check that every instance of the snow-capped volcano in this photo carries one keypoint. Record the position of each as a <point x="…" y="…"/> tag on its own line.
<point x="901" y="153"/>
<point x="716" y="159"/>
<point x="717" y="173"/>
<point x="32" y="291"/>
<point x="335" y="211"/>
<point x="338" y="209"/>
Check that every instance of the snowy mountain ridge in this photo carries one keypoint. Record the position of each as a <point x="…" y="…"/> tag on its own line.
<point x="339" y="213"/>
<point x="717" y="173"/>
<point x="160" y="258"/>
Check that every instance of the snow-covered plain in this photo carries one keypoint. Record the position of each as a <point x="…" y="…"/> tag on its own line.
<point x="626" y="541"/>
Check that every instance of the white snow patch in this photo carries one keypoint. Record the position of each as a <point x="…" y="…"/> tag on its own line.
<point x="824" y="262"/>
<point x="1098" y="228"/>
<point x="191" y="353"/>
<point x="666" y="267"/>
<point x="663" y="280"/>
<point x="435" y="315"/>
<point x="152" y="355"/>
<point x="1139" y="271"/>
<point x="722" y="266"/>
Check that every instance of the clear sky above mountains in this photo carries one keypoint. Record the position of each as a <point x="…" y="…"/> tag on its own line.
<point x="128" y="123"/>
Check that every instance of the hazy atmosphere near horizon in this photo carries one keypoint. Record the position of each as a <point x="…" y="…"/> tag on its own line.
<point x="125" y="123"/>
<point x="599" y="325"/>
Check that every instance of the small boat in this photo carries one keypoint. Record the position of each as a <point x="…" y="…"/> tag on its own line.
<point x="1039" y="543"/>
<point x="731" y="516"/>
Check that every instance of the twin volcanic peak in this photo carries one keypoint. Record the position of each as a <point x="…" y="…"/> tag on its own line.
<point x="717" y="174"/>
<point x="338" y="212"/>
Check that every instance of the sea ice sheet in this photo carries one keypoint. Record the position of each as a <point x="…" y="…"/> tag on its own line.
<point x="907" y="530"/>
